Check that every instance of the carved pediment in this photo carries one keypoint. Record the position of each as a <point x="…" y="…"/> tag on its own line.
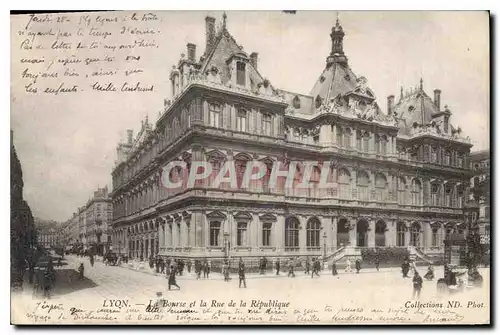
<point x="243" y="216"/>
<point x="216" y="215"/>
<point x="267" y="217"/>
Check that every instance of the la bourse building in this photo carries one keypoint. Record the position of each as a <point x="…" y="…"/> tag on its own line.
<point x="400" y="176"/>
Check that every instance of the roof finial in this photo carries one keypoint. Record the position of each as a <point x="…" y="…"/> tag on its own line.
<point x="337" y="23"/>
<point x="224" y="19"/>
<point x="401" y="95"/>
<point x="421" y="84"/>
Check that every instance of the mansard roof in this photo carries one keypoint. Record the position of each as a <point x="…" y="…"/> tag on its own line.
<point x="223" y="49"/>
<point x="416" y="107"/>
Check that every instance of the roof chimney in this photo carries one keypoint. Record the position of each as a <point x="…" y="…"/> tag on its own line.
<point x="254" y="59"/>
<point x="130" y="133"/>
<point x="209" y="33"/>
<point x="191" y="51"/>
<point x="437" y="98"/>
<point x="390" y="104"/>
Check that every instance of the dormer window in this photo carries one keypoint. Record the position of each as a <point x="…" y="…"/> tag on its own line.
<point x="240" y="74"/>
<point x="266" y="124"/>
<point x="296" y="102"/>
<point x="241" y="120"/>
<point x="319" y="101"/>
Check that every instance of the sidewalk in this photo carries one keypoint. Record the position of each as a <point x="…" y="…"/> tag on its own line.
<point x="144" y="268"/>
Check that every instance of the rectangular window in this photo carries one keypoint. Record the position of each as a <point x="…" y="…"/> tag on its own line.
<point x="266" y="233"/>
<point x="240" y="74"/>
<point x="241" y="121"/>
<point x="214" y="234"/>
<point x="266" y="124"/>
<point x="214" y="115"/>
<point x="241" y="237"/>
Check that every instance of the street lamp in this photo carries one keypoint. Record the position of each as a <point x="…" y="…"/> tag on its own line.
<point x="226" y="245"/>
<point x="324" y="247"/>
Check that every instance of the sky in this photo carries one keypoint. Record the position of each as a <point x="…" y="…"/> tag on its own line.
<point x="67" y="143"/>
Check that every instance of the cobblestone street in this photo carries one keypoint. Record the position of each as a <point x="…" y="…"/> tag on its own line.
<point x="112" y="282"/>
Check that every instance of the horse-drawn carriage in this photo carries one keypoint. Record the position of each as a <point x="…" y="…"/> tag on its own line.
<point x="111" y="259"/>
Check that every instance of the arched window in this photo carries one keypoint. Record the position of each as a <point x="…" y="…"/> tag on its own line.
<point x="214" y="233"/>
<point x="366" y="142"/>
<point x="292" y="233"/>
<point x="380" y="187"/>
<point x="363" y="183"/>
<point x="401" y="191"/>
<point x="344" y="180"/>
<point x="461" y="229"/>
<point x="347" y="138"/>
<point x="415" y="234"/>
<point x="240" y="167"/>
<point x="433" y="155"/>
<point x="359" y="139"/>
<point x="447" y="158"/>
<point x="448" y="194"/>
<point x="241" y="236"/>
<point x="241" y="120"/>
<point x="214" y="115"/>
<point x="435" y="198"/>
<point x="449" y="230"/>
<point x="435" y="236"/>
<point x="313" y="234"/>
<point x="400" y="231"/>
<point x="339" y="135"/>
<point x="460" y="160"/>
<point x="314" y="182"/>
<point x="416" y="191"/>
<point x="383" y="145"/>
<point x="460" y="197"/>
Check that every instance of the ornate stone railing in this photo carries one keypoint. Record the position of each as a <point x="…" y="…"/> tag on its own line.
<point x="216" y="83"/>
<point x="416" y="132"/>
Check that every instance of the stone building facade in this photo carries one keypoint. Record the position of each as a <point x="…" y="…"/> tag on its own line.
<point x="480" y="165"/>
<point x="399" y="178"/>
<point x="90" y="226"/>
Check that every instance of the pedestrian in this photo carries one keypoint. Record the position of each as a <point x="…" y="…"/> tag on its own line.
<point x="189" y="265"/>
<point x="307" y="266"/>
<point x="313" y="266"/>
<point x="334" y="269"/>
<point x="278" y="267"/>
<point x="348" y="265"/>
<point x="92" y="260"/>
<point x="417" y="286"/>
<point x="197" y="268"/>
<point x="317" y="267"/>
<point x="241" y="273"/>
<point x="405" y="267"/>
<point x="206" y="269"/>
<point x="377" y="262"/>
<point x="358" y="265"/>
<point x="430" y="273"/>
<point x="171" y="279"/>
<point x="48" y="281"/>
<point x="290" y="268"/>
<point x="225" y="271"/>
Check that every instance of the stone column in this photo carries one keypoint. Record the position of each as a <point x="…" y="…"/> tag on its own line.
<point x="324" y="134"/>
<point x="334" y="135"/>
<point x="427" y="241"/>
<point x="371" y="233"/>
<point x="326" y="224"/>
<point x="278" y="233"/>
<point x="192" y="232"/>
<point x="333" y="233"/>
<point x="407" y="235"/>
<point x="352" y="232"/>
<point x="162" y="235"/>
<point x="168" y="234"/>
<point x="302" y="232"/>
<point x="256" y="241"/>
